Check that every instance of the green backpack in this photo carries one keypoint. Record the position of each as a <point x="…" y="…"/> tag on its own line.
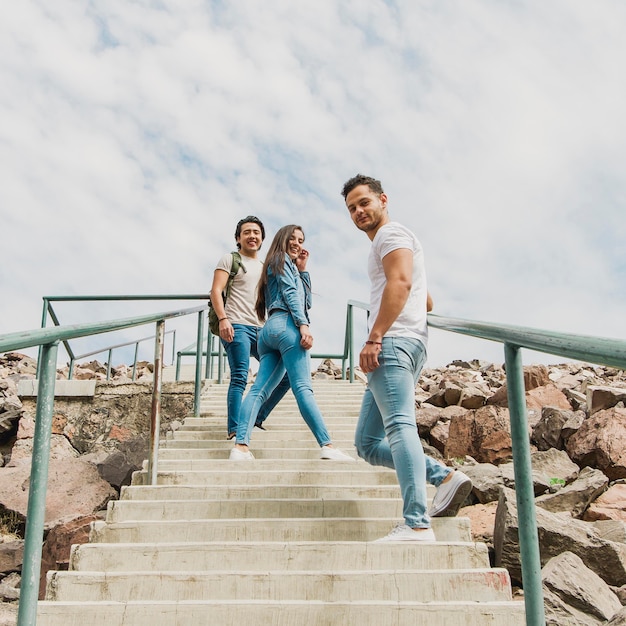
<point x="214" y="324"/>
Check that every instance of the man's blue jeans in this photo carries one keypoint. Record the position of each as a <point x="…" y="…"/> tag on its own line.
<point x="280" y="351"/>
<point x="386" y="433"/>
<point x="238" y="352"/>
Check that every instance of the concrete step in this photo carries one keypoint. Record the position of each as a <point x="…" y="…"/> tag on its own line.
<point x="259" y="442"/>
<point x="245" y="492"/>
<point x="403" y="585"/>
<point x="282" y="613"/>
<point x="262" y="465"/>
<point x="284" y="540"/>
<point x="267" y="529"/>
<point x="260" y="452"/>
<point x="253" y="474"/>
<point x="273" y="431"/>
<point x="124" y="510"/>
<point x="264" y="556"/>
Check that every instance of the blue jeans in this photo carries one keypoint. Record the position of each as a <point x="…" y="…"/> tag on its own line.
<point x="238" y="352"/>
<point x="280" y="351"/>
<point x="386" y="433"/>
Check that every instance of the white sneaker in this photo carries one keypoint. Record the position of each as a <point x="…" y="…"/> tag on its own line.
<point x="450" y="496"/>
<point x="402" y="532"/>
<point x="335" y="454"/>
<point x="239" y="455"/>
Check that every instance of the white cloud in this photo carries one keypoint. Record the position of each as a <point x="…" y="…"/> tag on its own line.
<point x="136" y="134"/>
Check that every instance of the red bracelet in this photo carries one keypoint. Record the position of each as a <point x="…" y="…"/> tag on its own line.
<point x="374" y="343"/>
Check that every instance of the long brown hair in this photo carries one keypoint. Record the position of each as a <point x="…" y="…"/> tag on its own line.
<point x="275" y="260"/>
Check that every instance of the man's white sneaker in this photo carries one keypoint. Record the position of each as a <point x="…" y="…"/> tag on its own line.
<point x="239" y="455"/>
<point x="450" y="496"/>
<point x="402" y="532"/>
<point x="334" y="454"/>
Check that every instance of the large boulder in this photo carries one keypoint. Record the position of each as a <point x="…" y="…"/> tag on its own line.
<point x="557" y="533"/>
<point x="575" y="594"/>
<point x="600" y="442"/>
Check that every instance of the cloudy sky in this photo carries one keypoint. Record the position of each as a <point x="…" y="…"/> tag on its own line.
<point x="135" y="133"/>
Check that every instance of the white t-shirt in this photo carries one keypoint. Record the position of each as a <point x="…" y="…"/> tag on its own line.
<point x="242" y="297"/>
<point x="412" y="321"/>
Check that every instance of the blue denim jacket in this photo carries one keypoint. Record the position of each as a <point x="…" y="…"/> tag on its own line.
<point x="289" y="291"/>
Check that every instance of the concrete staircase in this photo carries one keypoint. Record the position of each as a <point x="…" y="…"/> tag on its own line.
<point x="283" y="540"/>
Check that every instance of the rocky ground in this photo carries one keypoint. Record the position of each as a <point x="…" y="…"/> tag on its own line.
<point x="576" y="426"/>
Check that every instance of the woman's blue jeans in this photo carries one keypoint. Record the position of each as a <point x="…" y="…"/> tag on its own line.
<point x="280" y="351"/>
<point x="238" y="352"/>
<point x="386" y="433"/>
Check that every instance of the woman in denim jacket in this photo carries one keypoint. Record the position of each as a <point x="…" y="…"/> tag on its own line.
<point x="285" y="292"/>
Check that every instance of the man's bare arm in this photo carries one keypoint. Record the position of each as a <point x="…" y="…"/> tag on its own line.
<point x="220" y="278"/>
<point x="398" y="268"/>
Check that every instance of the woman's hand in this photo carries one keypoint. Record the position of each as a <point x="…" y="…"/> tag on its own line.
<point x="306" y="338"/>
<point x="301" y="260"/>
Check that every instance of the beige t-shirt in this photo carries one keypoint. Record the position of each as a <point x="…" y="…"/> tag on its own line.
<point x="242" y="297"/>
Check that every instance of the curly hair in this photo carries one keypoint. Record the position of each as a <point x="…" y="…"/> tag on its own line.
<point x="360" y="179"/>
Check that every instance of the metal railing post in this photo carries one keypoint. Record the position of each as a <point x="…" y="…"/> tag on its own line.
<point x="178" y="357"/>
<point x="220" y="362"/>
<point x="198" y="376"/>
<point x="35" y="517"/>
<point x="109" y="359"/>
<point x="350" y="331"/>
<point x="209" y="341"/>
<point x="135" y="361"/>
<point x="524" y="492"/>
<point x="155" y="413"/>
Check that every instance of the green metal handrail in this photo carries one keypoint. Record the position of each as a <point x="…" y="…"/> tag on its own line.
<point x="48" y="310"/>
<point x="48" y="339"/>
<point x="599" y="350"/>
<point x="109" y="350"/>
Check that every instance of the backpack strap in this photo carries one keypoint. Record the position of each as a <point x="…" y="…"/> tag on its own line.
<point x="234" y="270"/>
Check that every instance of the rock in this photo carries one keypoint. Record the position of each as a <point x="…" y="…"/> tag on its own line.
<point x="58" y="544"/>
<point x="482" y="519"/>
<point x="22" y="451"/>
<point x="578" y="587"/>
<point x="558" y="533"/>
<point x="10" y="587"/>
<point x="575" y="497"/>
<point x="547" y="431"/>
<point x="612" y="530"/>
<point x="611" y="505"/>
<point x="602" y="397"/>
<point x="426" y="417"/>
<point x="619" y="619"/>
<point x="535" y="376"/>
<point x="600" y="442"/>
<point x="11" y="555"/>
<point x="487" y="481"/>
<point x="74" y="490"/>
<point x="483" y="434"/>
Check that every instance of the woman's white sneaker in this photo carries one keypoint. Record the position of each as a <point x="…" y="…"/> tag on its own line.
<point x="450" y="495"/>
<point x="239" y="455"/>
<point x="402" y="532"/>
<point x="334" y="454"/>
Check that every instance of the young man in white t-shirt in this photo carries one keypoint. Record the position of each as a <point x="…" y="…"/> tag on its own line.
<point x="239" y="323"/>
<point x="392" y="358"/>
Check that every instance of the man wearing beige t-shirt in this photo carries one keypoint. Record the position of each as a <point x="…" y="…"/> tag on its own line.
<point x="239" y="324"/>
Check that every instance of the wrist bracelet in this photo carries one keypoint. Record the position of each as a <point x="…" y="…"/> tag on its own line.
<point x="374" y="343"/>
<point x="221" y="319"/>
